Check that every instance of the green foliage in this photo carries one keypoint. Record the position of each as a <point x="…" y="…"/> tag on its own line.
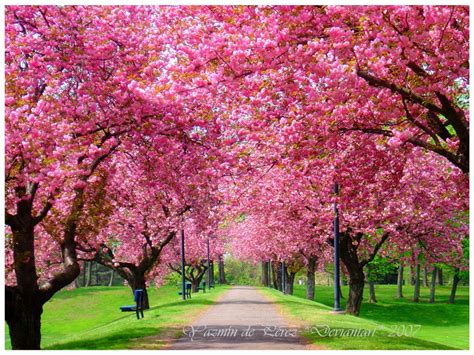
<point x="379" y="267"/>
<point x="241" y="273"/>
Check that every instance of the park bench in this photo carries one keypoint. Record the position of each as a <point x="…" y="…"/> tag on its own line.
<point x="187" y="290"/>
<point x="138" y="306"/>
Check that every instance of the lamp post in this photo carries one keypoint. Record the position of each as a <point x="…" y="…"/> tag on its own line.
<point x="337" y="294"/>
<point x="183" y="280"/>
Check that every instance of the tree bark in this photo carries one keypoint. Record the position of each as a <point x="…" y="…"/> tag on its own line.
<point x="111" y="281"/>
<point x="221" y="271"/>
<point x="136" y="280"/>
<point x="348" y="252"/>
<point x="425" y="277"/>
<point x="433" y="285"/>
<point x="212" y="272"/>
<point x="412" y="275"/>
<point x="356" y="291"/>
<point x="440" y="277"/>
<point x="87" y="270"/>
<point x="454" y="286"/>
<point x="276" y="271"/>
<point x="416" y="296"/>
<point x="265" y="276"/>
<point x="400" y="282"/>
<point x="372" y="298"/>
<point x="23" y="302"/>
<point x="195" y="282"/>
<point x="84" y="273"/>
<point x="290" y="280"/>
<point x="23" y="315"/>
<point x="310" y="274"/>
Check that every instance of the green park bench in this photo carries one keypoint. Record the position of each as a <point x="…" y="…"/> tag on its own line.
<point x="138" y="306"/>
<point x="187" y="289"/>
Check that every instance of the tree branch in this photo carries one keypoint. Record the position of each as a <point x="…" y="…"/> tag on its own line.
<point x="375" y="251"/>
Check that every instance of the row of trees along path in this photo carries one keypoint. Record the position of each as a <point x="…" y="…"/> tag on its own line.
<point x="125" y="125"/>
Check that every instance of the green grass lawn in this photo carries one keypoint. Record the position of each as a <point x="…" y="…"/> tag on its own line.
<point x="89" y="318"/>
<point x="441" y="325"/>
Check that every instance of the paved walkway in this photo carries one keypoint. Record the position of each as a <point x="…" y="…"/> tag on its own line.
<point x="241" y="319"/>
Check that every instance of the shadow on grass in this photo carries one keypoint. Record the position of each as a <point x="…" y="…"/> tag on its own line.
<point x="117" y="340"/>
<point x="88" y="291"/>
<point x="189" y="303"/>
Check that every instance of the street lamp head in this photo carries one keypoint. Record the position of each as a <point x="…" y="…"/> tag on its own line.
<point x="336" y="188"/>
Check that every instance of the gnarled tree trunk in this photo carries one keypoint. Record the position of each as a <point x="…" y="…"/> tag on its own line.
<point x="348" y="252"/>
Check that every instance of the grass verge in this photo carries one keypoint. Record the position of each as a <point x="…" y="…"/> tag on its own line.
<point x="89" y="318"/>
<point x="390" y="323"/>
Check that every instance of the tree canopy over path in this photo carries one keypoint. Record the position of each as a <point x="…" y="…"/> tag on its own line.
<point x="127" y="124"/>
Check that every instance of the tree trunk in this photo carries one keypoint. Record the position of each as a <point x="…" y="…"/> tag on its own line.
<point x="276" y="270"/>
<point x="96" y="274"/>
<point x="212" y="273"/>
<point x="416" y="296"/>
<point x="111" y="281"/>
<point x="23" y="303"/>
<point x="412" y="275"/>
<point x="372" y="298"/>
<point x="269" y="274"/>
<point x="425" y="277"/>
<point x="87" y="270"/>
<point x="265" y="275"/>
<point x="195" y="282"/>
<point x="400" y="282"/>
<point x="136" y="281"/>
<point x="310" y="274"/>
<point x="290" y="280"/>
<point x="356" y="290"/>
<point x="221" y="271"/>
<point x="84" y="274"/>
<point x="355" y="269"/>
<point x="440" y="277"/>
<point x="433" y="285"/>
<point x="23" y="315"/>
<point x="454" y="286"/>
